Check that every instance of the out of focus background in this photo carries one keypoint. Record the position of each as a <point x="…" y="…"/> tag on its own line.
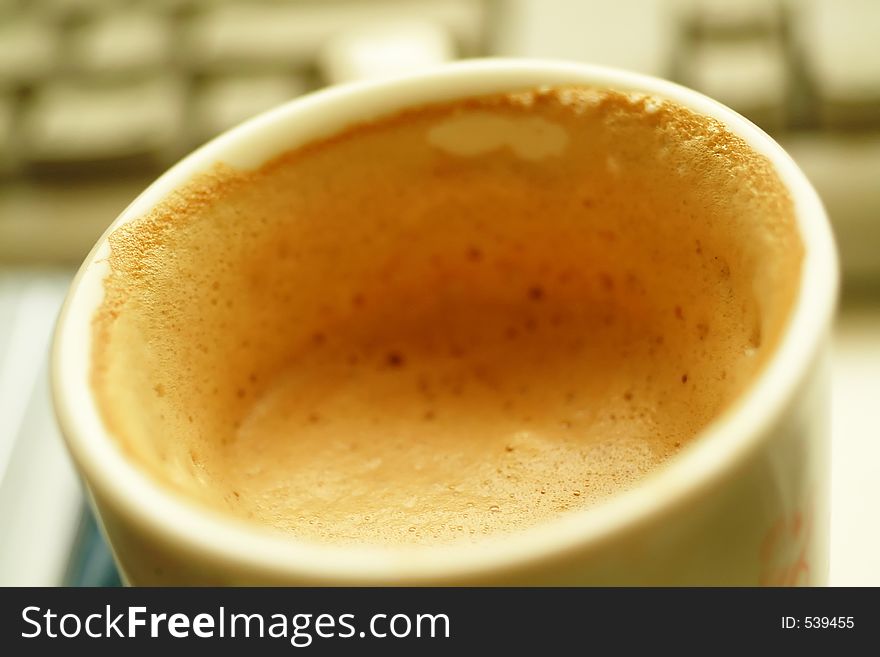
<point x="97" y="97"/>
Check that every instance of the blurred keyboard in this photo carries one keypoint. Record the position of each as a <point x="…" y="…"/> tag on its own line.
<point x="99" y="96"/>
<point x="133" y="83"/>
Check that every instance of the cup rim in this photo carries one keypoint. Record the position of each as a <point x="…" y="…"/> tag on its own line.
<point x="726" y="442"/>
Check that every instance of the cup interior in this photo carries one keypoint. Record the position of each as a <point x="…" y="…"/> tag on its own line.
<point x="785" y="324"/>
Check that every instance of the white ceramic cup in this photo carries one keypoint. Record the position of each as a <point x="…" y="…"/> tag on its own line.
<point x="746" y="503"/>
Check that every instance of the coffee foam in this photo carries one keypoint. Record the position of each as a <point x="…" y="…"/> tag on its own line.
<point x="450" y="323"/>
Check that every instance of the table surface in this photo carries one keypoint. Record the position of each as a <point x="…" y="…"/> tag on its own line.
<point x="855" y="452"/>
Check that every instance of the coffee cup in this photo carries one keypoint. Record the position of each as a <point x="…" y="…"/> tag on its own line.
<point x="739" y="498"/>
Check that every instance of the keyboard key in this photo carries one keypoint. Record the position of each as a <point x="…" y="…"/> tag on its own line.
<point x="78" y="122"/>
<point x="232" y="36"/>
<point x="121" y="42"/>
<point x="466" y="20"/>
<point x="388" y="49"/>
<point x="840" y="42"/>
<point x="228" y="100"/>
<point x="750" y="76"/>
<point x="235" y="35"/>
<point x="630" y="34"/>
<point x="67" y="10"/>
<point x="716" y="19"/>
<point x="28" y="51"/>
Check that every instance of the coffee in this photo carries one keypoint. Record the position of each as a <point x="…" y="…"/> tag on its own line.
<point x="447" y="324"/>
